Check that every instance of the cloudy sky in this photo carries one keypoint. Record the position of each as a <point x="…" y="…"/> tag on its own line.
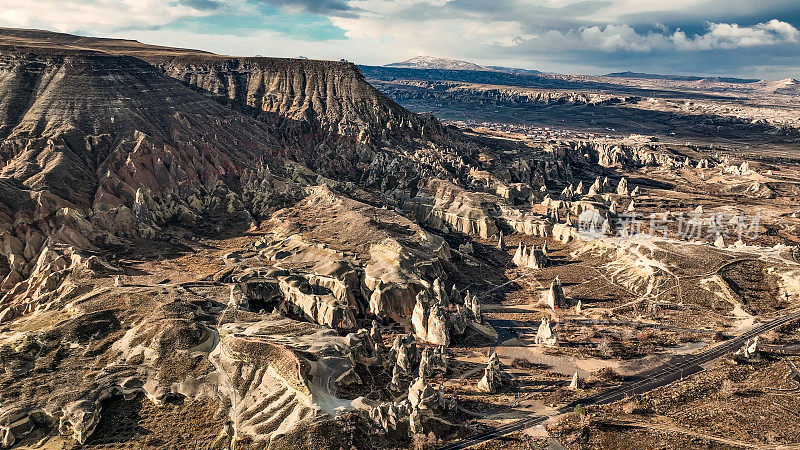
<point x="750" y="38"/>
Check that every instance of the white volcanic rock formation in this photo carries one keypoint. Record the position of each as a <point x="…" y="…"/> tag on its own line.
<point x="749" y="351"/>
<point x="436" y="322"/>
<point x="493" y="376"/>
<point x="433" y="361"/>
<point x="575" y="383"/>
<point x="547" y="333"/>
<point x="446" y="206"/>
<point x="423" y="396"/>
<point x="532" y="257"/>
<point x="555" y="295"/>
<point x="622" y="187"/>
<point x="404" y="353"/>
<point x="473" y="307"/>
<point x="320" y="306"/>
<point x="51" y="283"/>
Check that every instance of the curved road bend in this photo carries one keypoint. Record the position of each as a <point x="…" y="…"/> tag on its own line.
<point x="677" y="368"/>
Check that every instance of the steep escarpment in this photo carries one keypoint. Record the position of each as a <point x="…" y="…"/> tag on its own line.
<point x="329" y="96"/>
<point x="324" y="113"/>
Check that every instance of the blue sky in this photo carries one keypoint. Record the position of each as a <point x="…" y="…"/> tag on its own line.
<point x="746" y="38"/>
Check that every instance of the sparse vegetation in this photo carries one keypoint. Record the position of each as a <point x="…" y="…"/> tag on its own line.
<point x="727" y="388"/>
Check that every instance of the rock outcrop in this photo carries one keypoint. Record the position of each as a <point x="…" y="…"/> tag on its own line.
<point x="547" y="333"/>
<point x="404" y="353"/>
<point x="555" y="295"/>
<point x="749" y="351"/>
<point x="391" y="416"/>
<point x="424" y="396"/>
<point x="433" y="362"/>
<point x="532" y="257"/>
<point x="473" y="307"/>
<point x="52" y="282"/>
<point x="493" y="376"/>
<point x="445" y="206"/>
<point x="317" y="303"/>
<point x="622" y="187"/>
<point x="436" y="322"/>
<point x="575" y="383"/>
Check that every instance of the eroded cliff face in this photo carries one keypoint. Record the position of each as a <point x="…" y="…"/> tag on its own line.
<point x="326" y="116"/>
<point x="327" y="97"/>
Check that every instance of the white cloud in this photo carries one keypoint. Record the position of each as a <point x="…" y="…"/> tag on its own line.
<point x="731" y="35"/>
<point x="96" y="16"/>
<point x="617" y="9"/>
<point x="408" y="28"/>
<point x="612" y="38"/>
<point x="386" y="27"/>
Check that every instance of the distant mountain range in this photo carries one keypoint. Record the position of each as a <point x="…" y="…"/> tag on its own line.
<point x="651" y="76"/>
<point x="437" y="63"/>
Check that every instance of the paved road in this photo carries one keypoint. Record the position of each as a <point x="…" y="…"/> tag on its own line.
<point x="673" y="370"/>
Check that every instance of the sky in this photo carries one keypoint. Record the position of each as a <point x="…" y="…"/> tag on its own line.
<point x="744" y="38"/>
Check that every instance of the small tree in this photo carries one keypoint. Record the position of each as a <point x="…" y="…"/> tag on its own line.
<point x="582" y="414"/>
<point x="605" y="347"/>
